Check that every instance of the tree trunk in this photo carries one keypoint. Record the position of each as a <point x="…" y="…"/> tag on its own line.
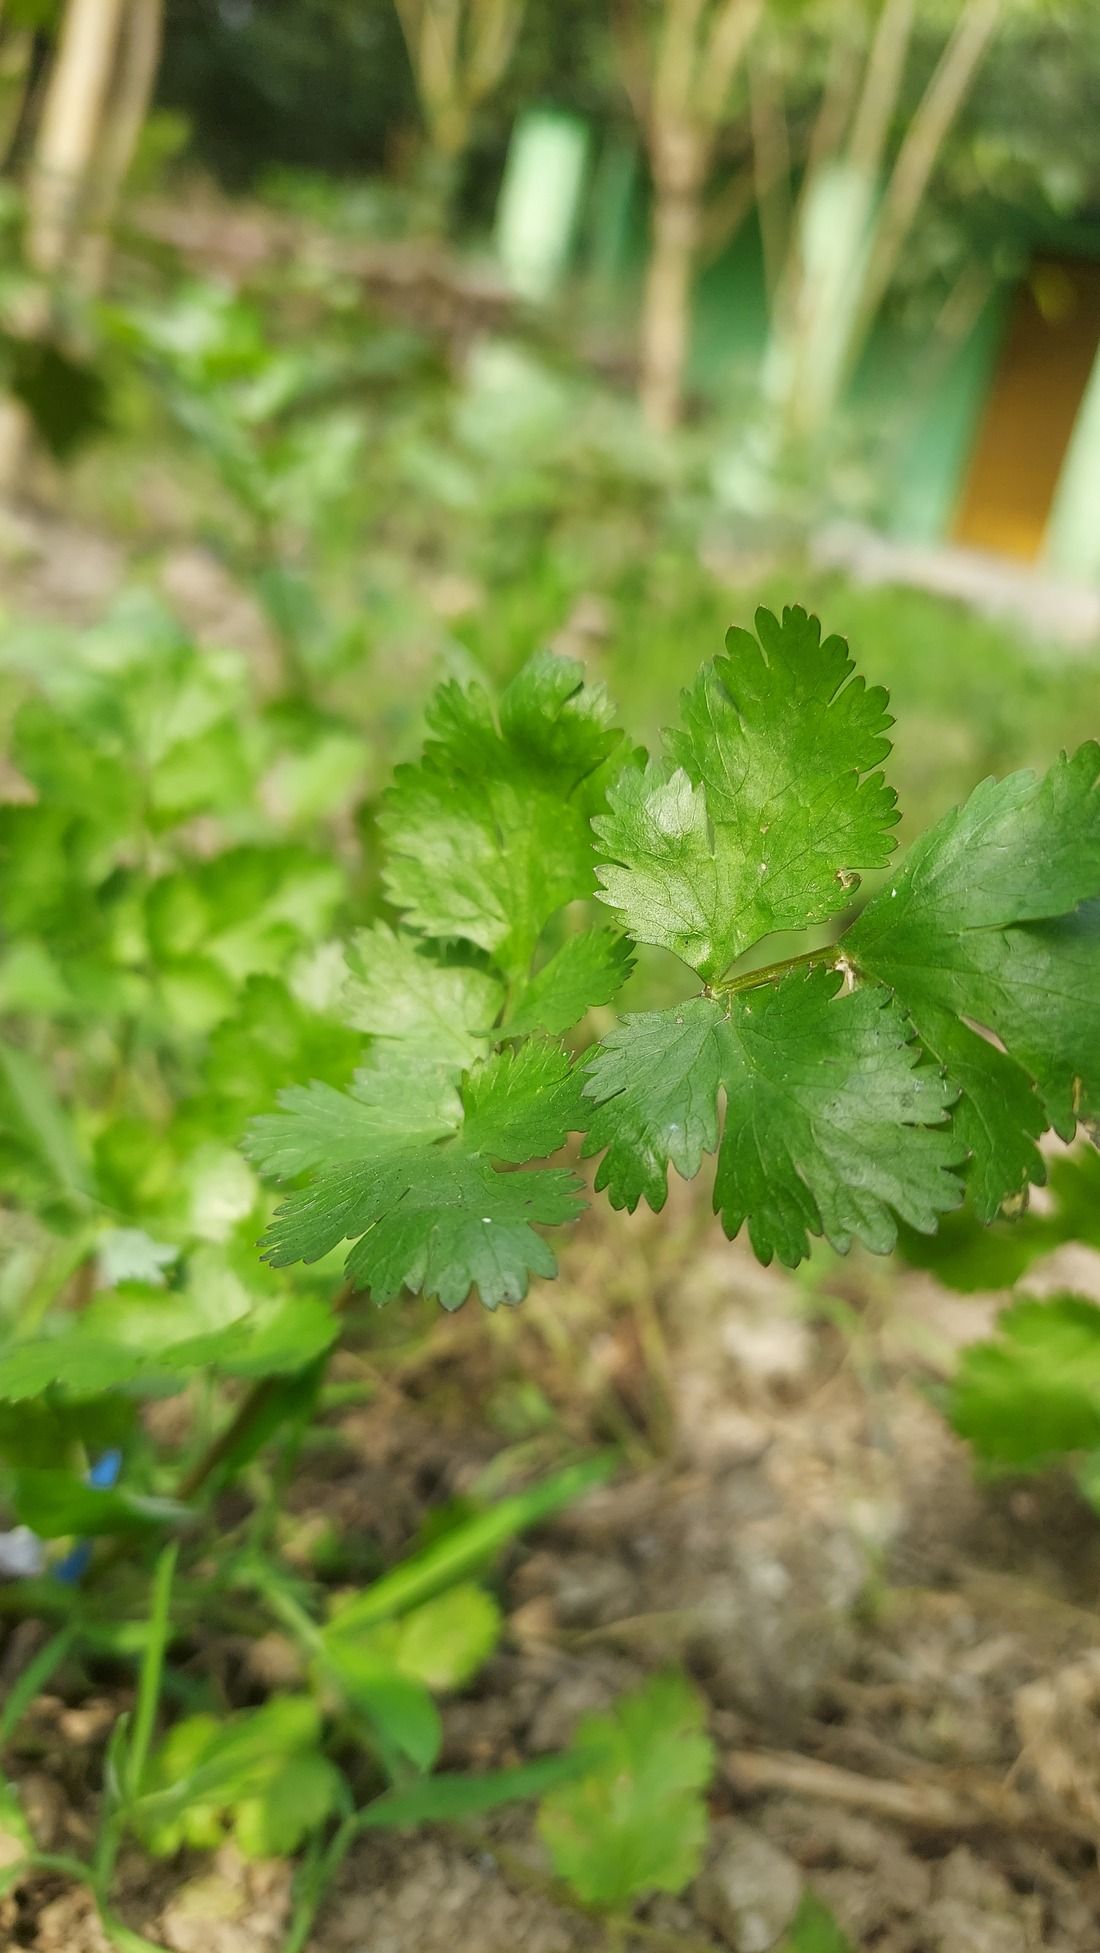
<point x="123" y="122"/>
<point x="16" y="50"/>
<point x="58" y="187"/>
<point x="72" y="116"/>
<point x="679" y="171"/>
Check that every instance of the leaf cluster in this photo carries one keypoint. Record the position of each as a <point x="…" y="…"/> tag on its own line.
<point x="863" y="1085"/>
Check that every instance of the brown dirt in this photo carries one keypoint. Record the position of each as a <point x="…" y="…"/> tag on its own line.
<point x="901" y="1665"/>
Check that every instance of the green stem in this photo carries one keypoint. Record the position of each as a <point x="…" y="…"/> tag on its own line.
<point x="60" y="1862"/>
<point x="33" y="1680"/>
<point x="249" y="1413"/>
<point x="120" y="1935"/>
<point x="288" y="1610"/>
<point x="318" y="1877"/>
<point x="810" y="959"/>
<point x="152" y="1668"/>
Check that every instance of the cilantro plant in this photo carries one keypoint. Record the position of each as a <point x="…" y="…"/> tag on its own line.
<point x="183" y="921"/>
<point x="1028" y="1396"/>
<point x="636" y="1820"/>
<point x="875" y="1080"/>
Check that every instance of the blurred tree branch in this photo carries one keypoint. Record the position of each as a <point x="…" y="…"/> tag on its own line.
<point x="679" y="61"/>
<point x="459" y="51"/>
<point x="95" y="98"/>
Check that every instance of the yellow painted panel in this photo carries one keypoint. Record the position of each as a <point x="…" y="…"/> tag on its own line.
<point x="1036" y="394"/>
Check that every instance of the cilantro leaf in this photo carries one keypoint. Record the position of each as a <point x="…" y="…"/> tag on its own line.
<point x="404" y="1719"/>
<point x="210" y="1770"/>
<point x="446" y="1224"/>
<point x="56" y="1504"/>
<point x="767" y="800"/>
<point x="976" y="925"/>
<point x="427" y="1019"/>
<point x="590" y="968"/>
<point x="137" y="1333"/>
<point x="998" y="1116"/>
<point x="385" y="1106"/>
<point x="270" y="1036"/>
<point x="522" y="1104"/>
<point x="441" y="1644"/>
<point x="245" y="910"/>
<point x="440" y="1218"/>
<point x="636" y="1821"/>
<point x="1033" y="1392"/>
<point x="399" y="988"/>
<point x="830" y="1117"/>
<point x="298" y="1797"/>
<point x="814" y="1930"/>
<point x="488" y="836"/>
<point x="655" y="1082"/>
<point x="830" y="1121"/>
<point x="433" y="1220"/>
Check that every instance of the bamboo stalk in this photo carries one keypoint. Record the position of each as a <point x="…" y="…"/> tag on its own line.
<point x="771" y="156"/>
<point x="726" y="45"/>
<point x="920" y="151"/>
<point x="124" y="119"/>
<point x="882" y="81"/>
<point x="72" y="115"/>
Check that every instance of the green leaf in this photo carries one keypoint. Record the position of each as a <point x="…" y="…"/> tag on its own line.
<point x="636" y="1821"/>
<point x="57" y="1504"/>
<point x="1033" y="1393"/>
<point x="31" y="1111"/>
<point x="522" y="1104"/>
<point x="82" y="1365"/>
<point x="830" y="1121"/>
<point x="998" y="1116"/>
<point x="398" y="1706"/>
<point x="133" y="1333"/>
<point x="428" y="1021"/>
<point x="654" y="1081"/>
<point x="270" y="1038"/>
<point x="441" y="1644"/>
<point x="765" y="805"/>
<point x="382" y="1111"/>
<point x="16" y="1842"/>
<point x="488" y="836"/>
<point x="433" y="1221"/>
<point x="245" y="911"/>
<point x="975" y="925"/>
<point x="399" y="988"/>
<point x="968" y="1254"/>
<point x="467" y="1548"/>
<point x="207" y="1765"/>
<point x="445" y="1799"/>
<point x="830" y="1117"/>
<point x="589" y="969"/>
<point x="431" y="1218"/>
<point x="814" y="1930"/>
<point x="296" y="1800"/>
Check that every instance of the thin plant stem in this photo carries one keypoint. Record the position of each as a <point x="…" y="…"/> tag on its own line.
<point x="34" y="1679"/>
<point x="152" y="1668"/>
<point x="60" y="1862"/>
<point x="248" y="1414"/>
<point x="827" y="958"/>
<point x="317" y="1880"/>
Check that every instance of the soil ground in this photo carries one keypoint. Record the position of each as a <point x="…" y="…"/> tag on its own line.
<point x="901" y="1665"/>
